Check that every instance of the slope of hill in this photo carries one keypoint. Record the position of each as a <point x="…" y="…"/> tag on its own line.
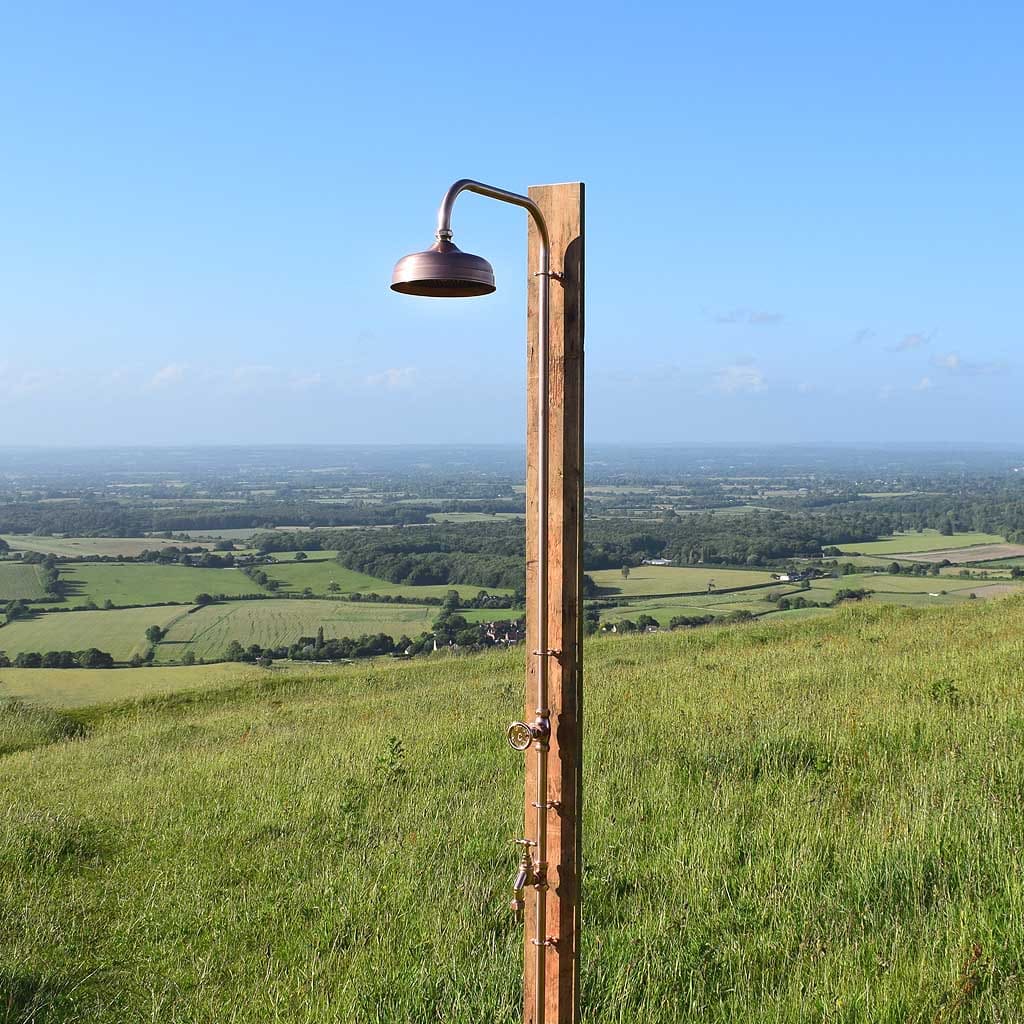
<point x="815" y="821"/>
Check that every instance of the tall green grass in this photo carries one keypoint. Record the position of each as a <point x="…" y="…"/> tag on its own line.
<point x="813" y="822"/>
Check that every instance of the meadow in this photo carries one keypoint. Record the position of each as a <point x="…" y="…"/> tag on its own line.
<point x="208" y="631"/>
<point x="321" y="569"/>
<point x="670" y="579"/>
<point x="122" y="547"/>
<point x="17" y="580"/>
<point x="63" y="688"/>
<point x="121" y="633"/>
<point x="809" y="822"/>
<point x="135" y="583"/>
<point x="914" y="542"/>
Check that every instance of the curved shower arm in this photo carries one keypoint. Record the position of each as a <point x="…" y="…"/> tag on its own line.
<point x="444" y="211"/>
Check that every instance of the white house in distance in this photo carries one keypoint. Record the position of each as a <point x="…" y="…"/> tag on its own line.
<point x="657" y="561"/>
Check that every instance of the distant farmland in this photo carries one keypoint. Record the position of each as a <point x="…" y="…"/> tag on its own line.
<point x="122" y="547"/>
<point x="17" y="580"/>
<point x="976" y="553"/>
<point x="669" y="579"/>
<point x="121" y="632"/>
<point x="148" y="583"/>
<point x="208" y="631"/>
<point x="926" y="540"/>
<point x="321" y="569"/>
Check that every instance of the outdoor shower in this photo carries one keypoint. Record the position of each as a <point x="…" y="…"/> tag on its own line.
<point x="445" y="271"/>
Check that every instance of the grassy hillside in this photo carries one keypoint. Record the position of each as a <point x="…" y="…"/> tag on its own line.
<point x="791" y="823"/>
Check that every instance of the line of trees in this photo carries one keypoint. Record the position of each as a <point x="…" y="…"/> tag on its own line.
<point x="92" y="657"/>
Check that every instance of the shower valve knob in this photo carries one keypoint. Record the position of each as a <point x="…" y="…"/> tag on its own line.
<point x="521" y="736"/>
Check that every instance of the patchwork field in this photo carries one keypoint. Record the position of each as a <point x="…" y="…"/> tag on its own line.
<point x="976" y="553"/>
<point x="127" y="547"/>
<point x="120" y="632"/>
<point x="927" y="540"/>
<point x="17" y="580"/>
<point x="144" y="583"/>
<point x="208" y="631"/>
<point x="669" y="579"/>
<point x="318" y="572"/>
<point x="473" y="517"/>
<point x="795" y="823"/>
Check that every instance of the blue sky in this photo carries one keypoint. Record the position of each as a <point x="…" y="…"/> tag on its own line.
<point x="804" y="222"/>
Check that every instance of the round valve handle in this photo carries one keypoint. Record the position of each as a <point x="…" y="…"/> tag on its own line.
<point x="522" y="735"/>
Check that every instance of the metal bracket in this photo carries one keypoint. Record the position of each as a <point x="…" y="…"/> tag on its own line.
<point x="554" y="275"/>
<point x="553" y="652"/>
<point x="551" y="805"/>
<point x="551" y="940"/>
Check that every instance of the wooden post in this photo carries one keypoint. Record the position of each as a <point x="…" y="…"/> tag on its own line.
<point x="562" y="206"/>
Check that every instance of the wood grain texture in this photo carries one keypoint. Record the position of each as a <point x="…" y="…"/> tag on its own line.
<point x="563" y="208"/>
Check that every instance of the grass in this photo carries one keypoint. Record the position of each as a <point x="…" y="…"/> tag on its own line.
<point x="474" y="517"/>
<point x="17" y="580"/>
<point x="133" y="583"/>
<point x="120" y="633"/>
<point x="667" y="579"/>
<point x="208" y="631"/>
<point x="805" y="822"/>
<point x="63" y="688"/>
<point x="118" y="546"/>
<point x="320" y="570"/>
<point x="928" y="540"/>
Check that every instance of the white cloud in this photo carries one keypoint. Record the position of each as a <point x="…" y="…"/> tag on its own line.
<point x="393" y="379"/>
<point x="168" y="376"/>
<point x="952" y="362"/>
<point x="912" y="341"/>
<point x="739" y="378"/>
<point x="924" y="384"/>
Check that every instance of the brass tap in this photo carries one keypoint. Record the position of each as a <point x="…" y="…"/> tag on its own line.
<point x="526" y="875"/>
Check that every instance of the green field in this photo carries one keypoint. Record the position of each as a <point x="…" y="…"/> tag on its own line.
<point x="794" y="823"/>
<point x="148" y="583"/>
<point x="120" y="633"/>
<point x="886" y="583"/>
<point x="124" y="547"/>
<point x="208" y="631"/>
<point x="909" y="591"/>
<point x="17" y="580"/>
<point x="77" y="688"/>
<point x="474" y="517"/>
<point x="318" y="572"/>
<point x="928" y="540"/>
<point x="667" y="579"/>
